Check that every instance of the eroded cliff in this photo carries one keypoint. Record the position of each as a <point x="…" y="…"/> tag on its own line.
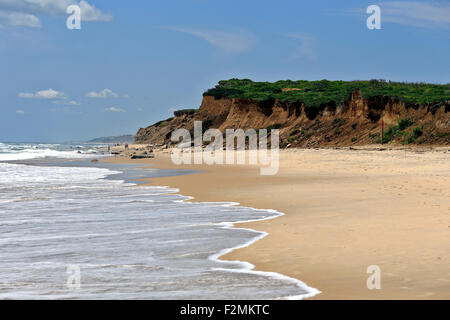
<point x="354" y="121"/>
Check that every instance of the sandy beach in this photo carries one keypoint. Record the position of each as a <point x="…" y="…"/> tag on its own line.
<point x="345" y="210"/>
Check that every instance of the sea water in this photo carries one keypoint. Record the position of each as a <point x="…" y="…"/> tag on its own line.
<point x="74" y="233"/>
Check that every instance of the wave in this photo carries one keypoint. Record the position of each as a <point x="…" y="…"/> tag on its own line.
<point x="28" y="154"/>
<point x="140" y="223"/>
<point x="14" y="152"/>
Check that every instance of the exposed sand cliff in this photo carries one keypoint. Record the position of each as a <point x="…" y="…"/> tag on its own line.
<point x="356" y="121"/>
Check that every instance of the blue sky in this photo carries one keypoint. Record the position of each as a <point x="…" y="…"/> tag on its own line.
<point x="134" y="62"/>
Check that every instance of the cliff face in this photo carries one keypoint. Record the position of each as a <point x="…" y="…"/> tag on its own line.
<point x="356" y="121"/>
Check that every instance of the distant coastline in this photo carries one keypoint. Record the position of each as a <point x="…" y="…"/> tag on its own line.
<point x="128" y="138"/>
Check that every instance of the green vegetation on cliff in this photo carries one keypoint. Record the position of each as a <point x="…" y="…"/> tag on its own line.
<point x="316" y="93"/>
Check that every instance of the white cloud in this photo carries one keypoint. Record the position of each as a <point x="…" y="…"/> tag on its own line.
<point x="18" y="19"/>
<point x="114" y="109"/>
<point x="43" y="94"/>
<point x="105" y="93"/>
<point x="228" y="42"/>
<point x="306" y="44"/>
<point x="91" y="13"/>
<point x="20" y="112"/>
<point x="414" y="13"/>
<point x="139" y="110"/>
<point x="66" y="102"/>
<point x="25" y="12"/>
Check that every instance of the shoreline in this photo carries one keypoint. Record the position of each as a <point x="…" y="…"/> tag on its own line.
<point x="304" y="245"/>
<point x="249" y="267"/>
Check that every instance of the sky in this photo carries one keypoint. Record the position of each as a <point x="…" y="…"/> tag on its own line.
<point x="133" y="63"/>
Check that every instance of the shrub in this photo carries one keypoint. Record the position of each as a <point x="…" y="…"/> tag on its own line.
<point x="397" y="130"/>
<point x="405" y="123"/>
<point x="409" y="140"/>
<point x="182" y="112"/>
<point x="317" y="94"/>
<point x="354" y="139"/>
<point x="390" y="134"/>
<point x="416" y="133"/>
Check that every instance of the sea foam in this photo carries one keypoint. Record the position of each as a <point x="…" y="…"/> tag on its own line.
<point x="128" y="243"/>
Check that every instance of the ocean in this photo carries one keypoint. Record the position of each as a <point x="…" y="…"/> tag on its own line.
<point x="72" y="229"/>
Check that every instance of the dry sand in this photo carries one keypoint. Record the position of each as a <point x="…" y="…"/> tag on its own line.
<point x="345" y="210"/>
